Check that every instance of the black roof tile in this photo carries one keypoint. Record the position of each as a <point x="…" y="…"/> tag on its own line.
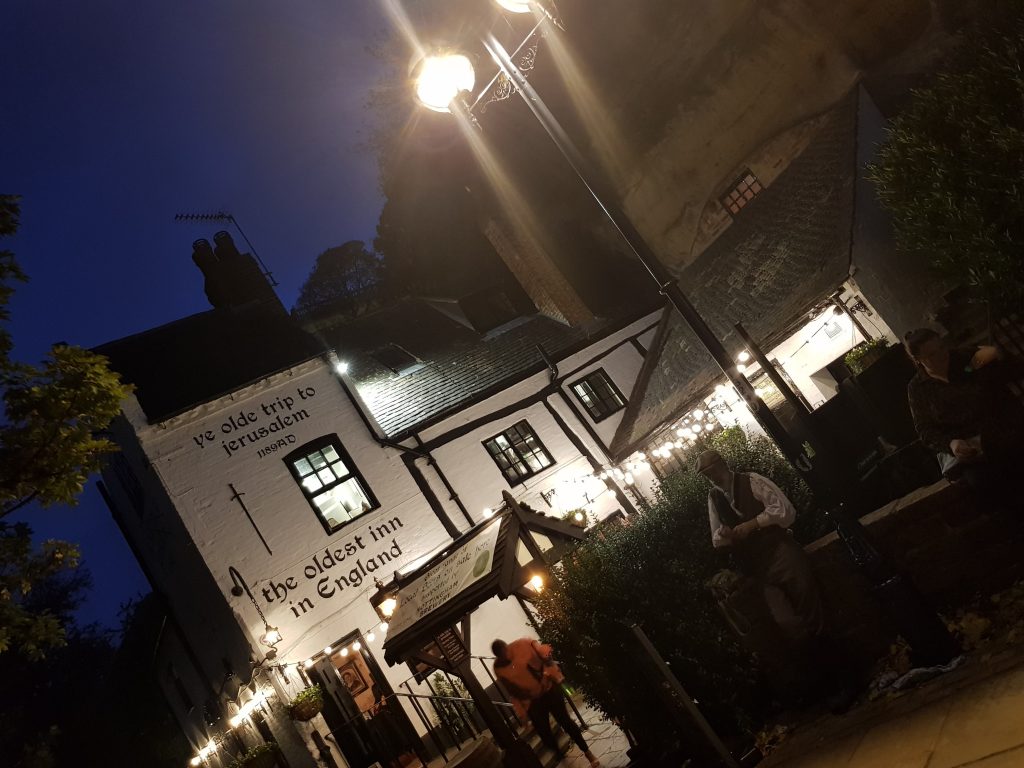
<point x="198" y="358"/>
<point x="785" y="251"/>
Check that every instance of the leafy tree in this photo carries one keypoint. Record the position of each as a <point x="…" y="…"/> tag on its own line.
<point x="49" y="445"/>
<point x="951" y="171"/>
<point x="25" y="622"/>
<point x="652" y="571"/>
<point x="94" y="696"/>
<point x="346" y="279"/>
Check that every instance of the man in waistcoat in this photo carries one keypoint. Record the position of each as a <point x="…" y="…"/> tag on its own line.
<point x="751" y="516"/>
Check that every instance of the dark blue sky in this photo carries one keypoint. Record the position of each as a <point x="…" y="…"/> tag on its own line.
<point x="117" y="114"/>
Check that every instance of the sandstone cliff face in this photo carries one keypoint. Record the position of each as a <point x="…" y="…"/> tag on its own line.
<point x="701" y="90"/>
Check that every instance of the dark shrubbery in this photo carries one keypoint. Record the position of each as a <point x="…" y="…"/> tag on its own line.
<point x="950" y="171"/>
<point x="652" y="571"/>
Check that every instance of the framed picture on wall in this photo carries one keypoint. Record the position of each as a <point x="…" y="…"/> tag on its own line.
<point x="352" y="678"/>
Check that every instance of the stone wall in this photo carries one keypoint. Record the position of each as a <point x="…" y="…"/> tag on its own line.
<point x="951" y="549"/>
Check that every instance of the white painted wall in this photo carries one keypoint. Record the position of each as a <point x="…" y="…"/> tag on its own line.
<point x="194" y="529"/>
<point x="477" y="479"/>
<point x="296" y="585"/>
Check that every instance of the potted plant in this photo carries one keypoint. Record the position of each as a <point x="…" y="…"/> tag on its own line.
<point x="864" y="354"/>
<point x="307" y="704"/>
<point x="261" y="756"/>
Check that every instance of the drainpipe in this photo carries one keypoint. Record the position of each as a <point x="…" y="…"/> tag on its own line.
<point x="409" y="456"/>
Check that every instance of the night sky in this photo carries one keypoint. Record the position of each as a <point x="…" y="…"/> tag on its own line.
<point x="118" y="114"/>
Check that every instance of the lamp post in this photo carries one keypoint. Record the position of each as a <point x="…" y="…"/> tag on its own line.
<point x="444" y="83"/>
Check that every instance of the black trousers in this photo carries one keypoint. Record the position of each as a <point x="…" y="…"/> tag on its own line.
<point x="552" y="703"/>
<point x="774" y="558"/>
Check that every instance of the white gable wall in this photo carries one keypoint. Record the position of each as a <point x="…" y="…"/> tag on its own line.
<point x="199" y="459"/>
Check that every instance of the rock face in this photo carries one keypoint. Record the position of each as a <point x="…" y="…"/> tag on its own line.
<point x="703" y="90"/>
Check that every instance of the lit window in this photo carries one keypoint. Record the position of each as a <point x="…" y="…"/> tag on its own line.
<point x="598" y="394"/>
<point x="742" y="191"/>
<point x="330" y="482"/>
<point x="518" y="453"/>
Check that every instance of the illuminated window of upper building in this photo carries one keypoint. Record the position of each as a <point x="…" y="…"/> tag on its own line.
<point x="741" y="192"/>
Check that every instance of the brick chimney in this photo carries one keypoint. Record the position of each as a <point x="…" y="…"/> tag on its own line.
<point x="542" y="279"/>
<point x="233" y="279"/>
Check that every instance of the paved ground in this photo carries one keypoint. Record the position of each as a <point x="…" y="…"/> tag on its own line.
<point x="605" y="740"/>
<point x="974" y="718"/>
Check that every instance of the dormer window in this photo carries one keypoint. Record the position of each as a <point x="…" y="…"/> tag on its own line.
<point x="741" y="192"/>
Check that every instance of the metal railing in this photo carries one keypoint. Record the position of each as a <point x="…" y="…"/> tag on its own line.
<point x="451" y="721"/>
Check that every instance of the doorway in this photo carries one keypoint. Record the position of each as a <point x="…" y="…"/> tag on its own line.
<point x="366" y="731"/>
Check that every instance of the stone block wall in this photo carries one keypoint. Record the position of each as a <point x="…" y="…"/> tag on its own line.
<point x="938" y="536"/>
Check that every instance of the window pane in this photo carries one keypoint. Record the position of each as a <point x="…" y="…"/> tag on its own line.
<point x="583" y="391"/>
<point x="311" y="483"/>
<point x="302" y="467"/>
<point x="339" y="468"/>
<point x="326" y="476"/>
<point x="318" y="460"/>
<point x="342" y="502"/>
<point x="330" y="454"/>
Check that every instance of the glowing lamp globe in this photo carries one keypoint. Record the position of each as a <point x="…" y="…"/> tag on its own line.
<point x="441" y="78"/>
<point x="388" y="606"/>
<point x="515" y="6"/>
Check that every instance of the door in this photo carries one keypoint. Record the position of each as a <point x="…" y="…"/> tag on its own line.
<point x="365" y="731"/>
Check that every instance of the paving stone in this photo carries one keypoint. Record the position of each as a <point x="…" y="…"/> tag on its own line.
<point x="983" y="720"/>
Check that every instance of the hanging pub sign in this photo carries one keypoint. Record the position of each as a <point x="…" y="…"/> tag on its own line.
<point x="452" y="646"/>
<point x="444" y="581"/>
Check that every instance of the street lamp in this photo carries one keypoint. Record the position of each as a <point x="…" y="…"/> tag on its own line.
<point x="449" y="74"/>
<point x="441" y="77"/>
<point x="447" y="78"/>
<point x="271" y="635"/>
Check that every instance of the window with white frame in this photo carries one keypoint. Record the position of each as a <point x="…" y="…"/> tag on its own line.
<point x="330" y="482"/>
<point x="518" y="452"/>
<point x="598" y="394"/>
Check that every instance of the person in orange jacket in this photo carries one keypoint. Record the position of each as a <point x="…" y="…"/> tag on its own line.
<point x="534" y="682"/>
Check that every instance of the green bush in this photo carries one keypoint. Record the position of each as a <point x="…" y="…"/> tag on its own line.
<point x="652" y="571"/>
<point x="311" y="695"/>
<point x="854" y="359"/>
<point x="451" y="713"/>
<point x="254" y="754"/>
<point x="951" y="169"/>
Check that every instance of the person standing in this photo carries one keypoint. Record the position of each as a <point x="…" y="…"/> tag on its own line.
<point x="751" y="516"/>
<point x="534" y="683"/>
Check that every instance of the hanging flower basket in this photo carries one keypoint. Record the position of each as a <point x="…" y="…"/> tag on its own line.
<point x="260" y="756"/>
<point x="307" y="704"/>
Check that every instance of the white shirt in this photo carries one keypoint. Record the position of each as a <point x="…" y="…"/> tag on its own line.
<point x="778" y="510"/>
